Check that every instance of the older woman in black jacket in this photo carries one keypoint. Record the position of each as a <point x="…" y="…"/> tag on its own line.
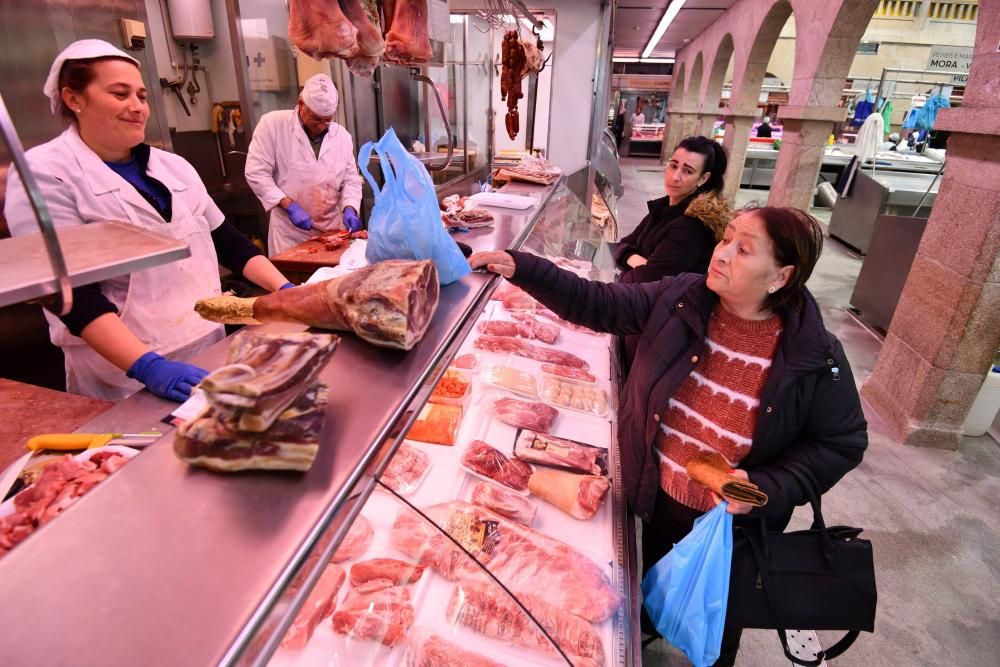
<point x="737" y="362"/>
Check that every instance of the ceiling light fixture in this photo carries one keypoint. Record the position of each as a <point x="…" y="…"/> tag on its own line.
<point x="625" y="60"/>
<point x="656" y="61"/>
<point x="668" y="18"/>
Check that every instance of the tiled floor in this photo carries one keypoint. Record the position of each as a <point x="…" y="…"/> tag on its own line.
<point x="932" y="516"/>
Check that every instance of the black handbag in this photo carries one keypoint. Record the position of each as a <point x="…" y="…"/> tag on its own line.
<point x="817" y="579"/>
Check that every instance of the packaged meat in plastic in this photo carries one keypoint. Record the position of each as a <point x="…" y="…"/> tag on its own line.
<point x="580" y="496"/>
<point x="426" y="649"/>
<point x="452" y="389"/>
<point x="523" y="559"/>
<point x="560" y="453"/>
<point x="576" y="396"/>
<point x="466" y="362"/>
<point x="382" y="616"/>
<point x="501" y="344"/>
<point x="396" y="572"/>
<point x="356" y="542"/>
<point x="503" y="502"/>
<point x="525" y="414"/>
<point x="407" y="469"/>
<point x="437" y="424"/>
<point x="531" y="327"/>
<point x="491" y="463"/>
<point x="560" y="372"/>
<point x="488" y="610"/>
<point x="320" y="604"/>
<point x="513" y="380"/>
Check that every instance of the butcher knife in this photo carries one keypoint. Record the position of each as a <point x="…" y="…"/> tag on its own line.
<point x="41" y="445"/>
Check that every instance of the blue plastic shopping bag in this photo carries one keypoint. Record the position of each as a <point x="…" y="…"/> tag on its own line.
<point x="406" y="220"/>
<point x="686" y="593"/>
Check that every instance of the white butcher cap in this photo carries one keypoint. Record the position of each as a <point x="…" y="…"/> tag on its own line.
<point x="320" y="95"/>
<point x="79" y="50"/>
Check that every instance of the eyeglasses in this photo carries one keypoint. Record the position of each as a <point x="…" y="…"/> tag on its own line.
<point x="313" y="118"/>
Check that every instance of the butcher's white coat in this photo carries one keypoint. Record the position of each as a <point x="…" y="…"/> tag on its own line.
<point x="281" y="163"/>
<point x="156" y="304"/>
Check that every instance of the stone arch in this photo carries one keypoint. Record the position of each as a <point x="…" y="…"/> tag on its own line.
<point x="717" y="75"/>
<point x="747" y="85"/>
<point x="831" y="66"/>
<point x="677" y="89"/>
<point x="692" y="91"/>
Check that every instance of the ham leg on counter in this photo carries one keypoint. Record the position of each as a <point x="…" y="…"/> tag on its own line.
<point x="319" y="29"/>
<point x="364" y="15"/>
<point x="388" y="304"/>
<point x="407" y="41"/>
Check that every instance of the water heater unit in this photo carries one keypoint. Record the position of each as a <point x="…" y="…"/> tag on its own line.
<point x="191" y="19"/>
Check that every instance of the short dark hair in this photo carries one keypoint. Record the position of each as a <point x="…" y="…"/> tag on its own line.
<point x="716" y="161"/>
<point x="797" y="241"/>
<point x="77" y="75"/>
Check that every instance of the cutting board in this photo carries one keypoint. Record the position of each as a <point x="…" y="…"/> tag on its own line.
<point x="298" y="262"/>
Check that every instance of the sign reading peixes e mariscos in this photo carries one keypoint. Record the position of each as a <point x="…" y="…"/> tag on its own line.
<point x="955" y="59"/>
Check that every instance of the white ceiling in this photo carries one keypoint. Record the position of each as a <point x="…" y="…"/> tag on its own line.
<point x="635" y="21"/>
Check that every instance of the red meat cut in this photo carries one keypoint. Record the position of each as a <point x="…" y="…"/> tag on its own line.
<point x="531" y="415"/>
<point x="320" y="29"/>
<point x="407" y="41"/>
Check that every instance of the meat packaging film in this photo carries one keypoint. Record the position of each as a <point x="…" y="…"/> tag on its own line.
<point x="454" y="614"/>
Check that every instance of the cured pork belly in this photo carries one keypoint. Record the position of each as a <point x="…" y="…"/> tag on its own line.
<point x="320" y="604"/>
<point x="426" y="649"/>
<point x="290" y="444"/>
<point x="399" y="572"/>
<point x="487" y="610"/>
<point x="523" y="559"/>
<point x="389" y="304"/>
<point x="264" y="374"/>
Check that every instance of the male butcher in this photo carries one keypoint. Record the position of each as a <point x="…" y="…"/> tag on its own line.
<point x="301" y="166"/>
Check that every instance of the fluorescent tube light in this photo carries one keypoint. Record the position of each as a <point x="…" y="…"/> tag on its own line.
<point x="625" y="60"/>
<point x="668" y="18"/>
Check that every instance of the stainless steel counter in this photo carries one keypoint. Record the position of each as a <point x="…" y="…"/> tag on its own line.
<point x="164" y="564"/>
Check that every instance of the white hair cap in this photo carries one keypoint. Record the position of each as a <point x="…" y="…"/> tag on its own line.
<point x="767" y="119"/>
<point x="894" y="136"/>
<point x="83" y="49"/>
<point x="320" y="95"/>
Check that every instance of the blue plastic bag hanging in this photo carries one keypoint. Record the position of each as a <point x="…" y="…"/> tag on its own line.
<point x="406" y="220"/>
<point x="687" y="592"/>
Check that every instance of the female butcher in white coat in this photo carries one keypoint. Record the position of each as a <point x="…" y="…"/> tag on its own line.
<point x="136" y="329"/>
<point x="301" y="166"/>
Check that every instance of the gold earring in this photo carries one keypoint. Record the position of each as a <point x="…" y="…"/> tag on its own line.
<point x="772" y="289"/>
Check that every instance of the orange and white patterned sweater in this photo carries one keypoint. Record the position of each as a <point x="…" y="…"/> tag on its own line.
<point x="715" y="408"/>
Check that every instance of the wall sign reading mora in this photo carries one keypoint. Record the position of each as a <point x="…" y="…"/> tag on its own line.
<point x="956" y="59"/>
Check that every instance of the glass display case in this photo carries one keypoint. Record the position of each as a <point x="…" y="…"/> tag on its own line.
<point x="466" y="496"/>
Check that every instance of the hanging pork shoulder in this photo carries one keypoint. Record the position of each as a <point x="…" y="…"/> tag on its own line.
<point x="406" y="40"/>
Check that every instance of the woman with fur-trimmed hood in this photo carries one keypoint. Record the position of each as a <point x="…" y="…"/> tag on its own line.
<point x="682" y="228"/>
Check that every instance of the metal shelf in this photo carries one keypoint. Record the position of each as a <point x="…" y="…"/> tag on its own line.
<point x="55" y="261"/>
<point x="93" y="252"/>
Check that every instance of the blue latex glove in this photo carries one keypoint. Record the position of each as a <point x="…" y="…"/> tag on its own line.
<point x="351" y="220"/>
<point x="169" y="379"/>
<point x="299" y="217"/>
<point x="286" y="286"/>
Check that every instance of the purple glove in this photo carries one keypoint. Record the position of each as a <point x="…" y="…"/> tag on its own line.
<point x="351" y="220"/>
<point x="299" y="217"/>
<point x="286" y="286"/>
<point x="169" y="379"/>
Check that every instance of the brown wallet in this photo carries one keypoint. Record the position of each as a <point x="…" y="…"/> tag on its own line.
<point x="712" y="470"/>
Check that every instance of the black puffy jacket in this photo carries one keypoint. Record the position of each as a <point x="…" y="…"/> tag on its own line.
<point x="810" y="431"/>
